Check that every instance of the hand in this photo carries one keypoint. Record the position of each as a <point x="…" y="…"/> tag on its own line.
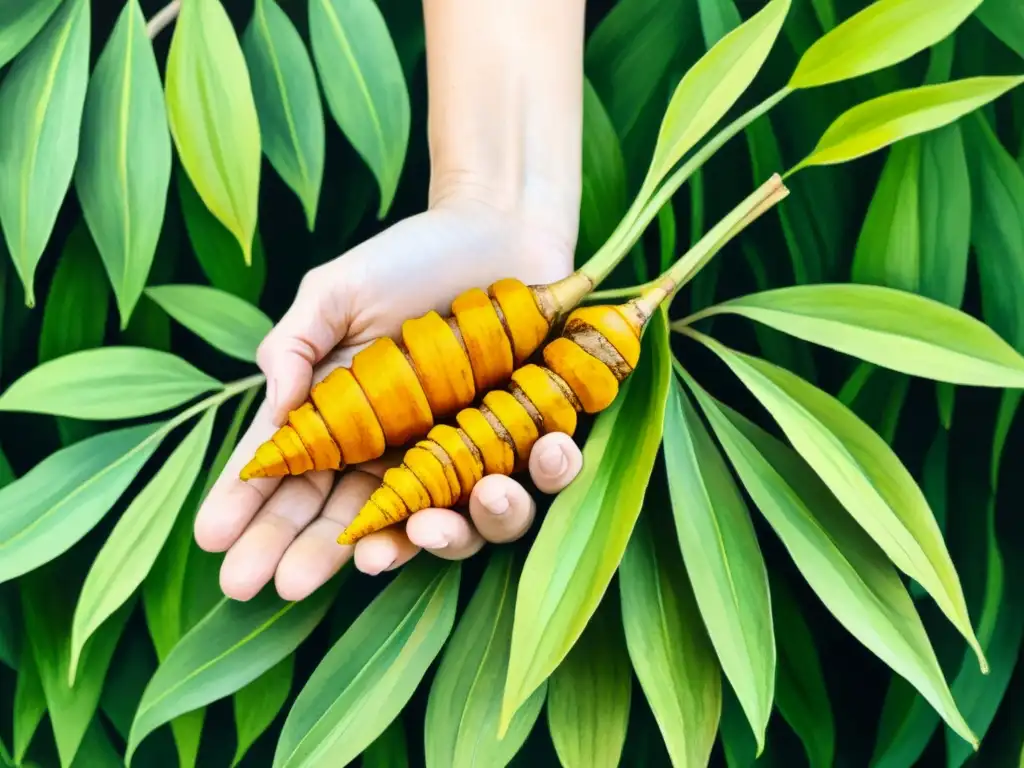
<point x="286" y="528"/>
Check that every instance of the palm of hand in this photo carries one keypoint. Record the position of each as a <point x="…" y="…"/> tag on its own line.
<point x="286" y="528"/>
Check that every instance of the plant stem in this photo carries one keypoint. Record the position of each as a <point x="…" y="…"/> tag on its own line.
<point x="226" y="393"/>
<point x="162" y="18"/>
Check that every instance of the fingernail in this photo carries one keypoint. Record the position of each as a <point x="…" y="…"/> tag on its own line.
<point x="497" y="505"/>
<point x="553" y="462"/>
<point x="437" y="542"/>
<point x="378" y="571"/>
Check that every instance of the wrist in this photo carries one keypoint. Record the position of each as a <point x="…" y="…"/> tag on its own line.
<point x="506" y="107"/>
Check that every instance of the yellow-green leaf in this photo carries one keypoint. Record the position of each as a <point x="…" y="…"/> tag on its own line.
<point x="586" y="529"/>
<point x="864" y="474"/>
<point x="894" y="329"/>
<point x="287" y="101"/>
<point x="368" y="676"/>
<point x="124" y="164"/>
<point x="257" y="704"/>
<point x="589" y="694"/>
<point x="363" y="83"/>
<point x="669" y="647"/>
<point x="884" y="33"/>
<point x="41" y="102"/>
<point x="713" y="85"/>
<point x="213" y="118"/>
<point x="461" y="726"/>
<point x="723" y="560"/>
<point x="881" y="121"/>
<point x="133" y="545"/>
<point x="20" y="21"/>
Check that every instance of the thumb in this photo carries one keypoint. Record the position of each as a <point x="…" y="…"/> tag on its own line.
<point x="314" y="324"/>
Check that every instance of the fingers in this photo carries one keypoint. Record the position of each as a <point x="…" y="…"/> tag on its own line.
<point x="554" y="462"/>
<point x="501" y="509"/>
<point x="444" y="533"/>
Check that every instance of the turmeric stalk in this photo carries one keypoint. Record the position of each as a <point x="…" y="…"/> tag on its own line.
<point x="597" y="349"/>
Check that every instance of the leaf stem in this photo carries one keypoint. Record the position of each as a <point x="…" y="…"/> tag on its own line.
<point x="222" y="395"/>
<point x="163" y="18"/>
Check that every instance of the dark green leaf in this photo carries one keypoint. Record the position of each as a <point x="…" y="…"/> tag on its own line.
<point x="1005" y="20"/>
<point x="258" y="703"/>
<point x="20" y="21"/>
<point x="389" y="749"/>
<point x="603" y="195"/>
<point x="29" y="703"/>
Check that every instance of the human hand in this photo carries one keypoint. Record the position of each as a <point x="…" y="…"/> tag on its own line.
<point x="286" y="528"/>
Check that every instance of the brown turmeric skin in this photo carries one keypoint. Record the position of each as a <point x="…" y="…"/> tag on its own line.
<point x="597" y="349"/>
<point x="395" y="390"/>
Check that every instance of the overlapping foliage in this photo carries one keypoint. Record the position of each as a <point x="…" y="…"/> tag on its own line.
<point x="788" y="545"/>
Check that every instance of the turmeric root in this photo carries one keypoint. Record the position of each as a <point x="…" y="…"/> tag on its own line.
<point x="395" y="390"/>
<point x="597" y="349"/>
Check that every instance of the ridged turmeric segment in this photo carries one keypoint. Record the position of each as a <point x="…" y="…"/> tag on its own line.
<point x="597" y="349"/>
<point x="396" y="390"/>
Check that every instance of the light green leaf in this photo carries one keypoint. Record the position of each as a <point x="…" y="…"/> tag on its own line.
<point x="801" y="694"/>
<point x="461" y="726"/>
<point x="864" y="474"/>
<point x="20" y="22"/>
<point x="227" y="322"/>
<point x="287" y="101"/>
<point x="888" y="249"/>
<point x="47" y="604"/>
<point x="945" y="215"/>
<point x="363" y="83"/>
<point x="231" y="646"/>
<point x="107" y="383"/>
<point x="712" y="86"/>
<point x="589" y="694"/>
<point x="848" y="572"/>
<point x="603" y="192"/>
<point x="41" y="100"/>
<point x="884" y="33"/>
<point x="586" y="529"/>
<point x="216" y="249"/>
<point x="29" y="703"/>
<point x="893" y="329"/>
<point x="257" y="704"/>
<point x="212" y="117"/>
<point x="881" y="121"/>
<point x="124" y="164"/>
<point x="389" y="749"/>
<point x="367" y="677"/>
<point x="60" y="499"/>
<point x="667" y="643"/>
<point x="723" y="560"/>
<point x="130" y="550"/>
<point x="1005" y="20"/>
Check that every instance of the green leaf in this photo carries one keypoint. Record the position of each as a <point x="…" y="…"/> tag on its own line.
<point x="667" y="643"/>
<point x="134" y="663"/>
<point x="60" y="499"/>
<point x="589" y="694"/>
<point x="258" y="703"/>
<point x="367" y="677"/>
<point x="107" y="383"/>
<point x="20" y="22"/>
<point x="124" y="164"/>
<point x="216" y="249"/>
<point x="212" y="117"/>
<point x="884" y="33"/>
<point x="849" y="573"/>
<point x="96" y="750"/>
<point x="893" y="329"/>
<point x="889" y="247"/>
<point x="227" y="322"/>
<point x="29" y="703"/>
<point x="997" y="229"/>
<point x="945" y="215"/>
<point x="881" y="121"/>
<point x="10" y="625"/>
<point x="717" y="18"/>
<point x="712" y="86"/>
<point x="461" y="725"/>
<point x="363" y="83"/>
<point x="41" y="100"/>
<point x="75" y="313"/>
<point x="800" y="693"/>
<point x="1005" y="20"/>
<point x="231" y="646"/>
<point x="723" y="560"/>
<point x="47" y="605"/>
<point x="287" y="101"/>
<point x="586" y="529"/>
<point x="389" y="749"/>
<point x="130" y="550"/>
<point x="603" y="193"/>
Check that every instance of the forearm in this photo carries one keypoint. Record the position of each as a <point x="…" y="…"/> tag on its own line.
<point x="505" y="81"/>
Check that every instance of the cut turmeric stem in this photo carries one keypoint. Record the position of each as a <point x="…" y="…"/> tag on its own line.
<point x="395" y="391"/>
<point x="598" y="348"/>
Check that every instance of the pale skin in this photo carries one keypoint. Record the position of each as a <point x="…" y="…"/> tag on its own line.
<point x="505" y="98"/>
